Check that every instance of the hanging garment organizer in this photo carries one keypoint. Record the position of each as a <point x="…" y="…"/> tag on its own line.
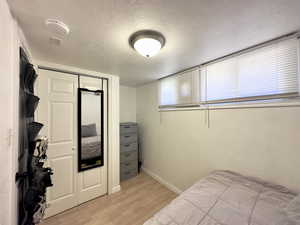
<point x="32" y="177"/>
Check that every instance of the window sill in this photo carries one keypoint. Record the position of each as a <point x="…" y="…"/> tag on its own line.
<point x="246" y="105"/>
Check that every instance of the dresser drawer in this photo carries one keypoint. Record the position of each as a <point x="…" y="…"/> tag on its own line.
<point x="129" y="147"/>
<point x="128" y="138"/>
<point x="128" y="166"/>
<point x="128" y="128"/>
<point x="126" y="174"/>
<point x="128" y="156"/>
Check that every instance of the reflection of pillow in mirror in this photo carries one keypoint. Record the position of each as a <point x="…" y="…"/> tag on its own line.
<point x="88" y="130"/>
<point x="293" y="210"/>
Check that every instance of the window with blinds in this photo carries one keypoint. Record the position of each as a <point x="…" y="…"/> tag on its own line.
<point x="180" y="90"/>
<point x="267" y="72"/>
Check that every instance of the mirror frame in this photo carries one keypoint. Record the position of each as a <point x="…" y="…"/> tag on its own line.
<point x="80" y="169"/>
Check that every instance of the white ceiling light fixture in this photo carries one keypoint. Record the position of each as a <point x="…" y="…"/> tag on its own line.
<point x="147" y="42"/>
<point x="57" y="28"/>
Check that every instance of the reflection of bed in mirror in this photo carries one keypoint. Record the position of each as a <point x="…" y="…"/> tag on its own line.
<point x="90" y="129"/>
<point x="90" y="143"/>
<point x="91" y="147"/>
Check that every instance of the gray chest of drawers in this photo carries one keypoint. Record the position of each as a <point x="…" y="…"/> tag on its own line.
<point x="128" y="150"/>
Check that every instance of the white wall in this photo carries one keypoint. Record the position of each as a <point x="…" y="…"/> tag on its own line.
<point x="90" y="110"/>
<point x="127" y="104"/>
<point x="180" y="148"/>
<point x="10" y="40"/>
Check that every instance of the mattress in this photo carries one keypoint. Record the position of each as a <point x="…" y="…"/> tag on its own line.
<point x="227" y="198"/>
<point x="90" y="147"/>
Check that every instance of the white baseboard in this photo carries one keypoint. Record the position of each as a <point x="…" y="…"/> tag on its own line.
<point x="162" y="181"/>
<point x="116" y="189"/>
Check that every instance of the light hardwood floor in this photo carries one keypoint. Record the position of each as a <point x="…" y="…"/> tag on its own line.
<point x="140" y="198"/>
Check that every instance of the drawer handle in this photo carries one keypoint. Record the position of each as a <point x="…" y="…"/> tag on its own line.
<point x="126" y="136"/>
<point x="127" y="145"/>
<point x="127" y="127"/>
<point x="127" y="164"/>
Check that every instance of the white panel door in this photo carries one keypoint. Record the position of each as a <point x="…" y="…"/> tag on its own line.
<point x="57" y="110"/>
<point x="93" y="183"/>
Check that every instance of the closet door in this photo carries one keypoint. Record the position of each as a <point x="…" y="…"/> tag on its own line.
<point x="92" y="183"/>
<point x="58" y="112"/>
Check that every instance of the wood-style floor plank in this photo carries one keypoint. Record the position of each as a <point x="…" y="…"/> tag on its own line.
<point x="140" y="198"/>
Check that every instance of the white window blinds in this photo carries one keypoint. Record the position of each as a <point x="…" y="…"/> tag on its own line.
<point x="181" y="89"/>
<point x="268" y="72"/>
<point x="265" y="73"/>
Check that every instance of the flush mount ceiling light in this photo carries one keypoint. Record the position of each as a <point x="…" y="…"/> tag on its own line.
<point x="57" y="28"/>
<point x="147" y="42"/>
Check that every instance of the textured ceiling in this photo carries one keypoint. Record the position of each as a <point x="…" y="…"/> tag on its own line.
<point x="195" y="30"/>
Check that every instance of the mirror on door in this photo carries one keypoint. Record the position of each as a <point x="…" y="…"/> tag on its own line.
<point x="90" y="129"/>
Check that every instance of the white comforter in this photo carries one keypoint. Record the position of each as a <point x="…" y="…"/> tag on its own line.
<point x="91" y="147"/>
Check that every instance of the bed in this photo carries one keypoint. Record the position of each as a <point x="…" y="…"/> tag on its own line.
<point x="91" y="147"/>
<point x="228" y="198"/>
